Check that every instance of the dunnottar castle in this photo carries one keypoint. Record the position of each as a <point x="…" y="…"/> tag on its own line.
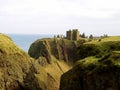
<point x="73" y="34"/>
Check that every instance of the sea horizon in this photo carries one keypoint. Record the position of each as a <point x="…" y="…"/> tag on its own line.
<point x="24" y="41"/>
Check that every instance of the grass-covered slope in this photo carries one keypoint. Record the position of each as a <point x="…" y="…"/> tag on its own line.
<point x="94" y="74"/>
<point x="97" y="68"/>
<point x="98" y="48"/>
<point x="14" y="66"/>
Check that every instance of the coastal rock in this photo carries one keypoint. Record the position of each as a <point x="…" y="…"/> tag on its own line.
<point x="52" y="55"/>
<point x="61" y="49"/>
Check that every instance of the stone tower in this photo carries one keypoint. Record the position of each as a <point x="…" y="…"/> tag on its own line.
<point x="75" y="35"/>
<point x="72" y="34"/>
<point x="69" y="35"/>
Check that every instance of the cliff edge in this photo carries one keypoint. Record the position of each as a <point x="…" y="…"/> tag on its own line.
<point x="61" y="49"/>
<point x="18" y="71"/>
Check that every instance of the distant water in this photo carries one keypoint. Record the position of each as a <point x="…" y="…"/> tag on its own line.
<point x="24" y="41"/>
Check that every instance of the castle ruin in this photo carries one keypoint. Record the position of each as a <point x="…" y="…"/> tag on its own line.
<point x="73" y="34"/>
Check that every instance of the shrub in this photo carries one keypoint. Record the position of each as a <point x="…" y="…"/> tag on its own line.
<point x="87" y="50"/>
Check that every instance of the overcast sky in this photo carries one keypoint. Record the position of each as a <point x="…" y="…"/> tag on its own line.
<point x="56" y="16"/>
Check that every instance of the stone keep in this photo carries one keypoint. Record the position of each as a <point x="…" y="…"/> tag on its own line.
<point x="72" y="34"/>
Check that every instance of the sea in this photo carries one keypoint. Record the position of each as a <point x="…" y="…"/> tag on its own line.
<point x="24" y="41"/>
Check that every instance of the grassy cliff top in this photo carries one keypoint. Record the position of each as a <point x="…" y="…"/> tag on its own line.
<point x="111" y="38"/>
<point x="7" y="46"/>
<point x="106" y="39"/>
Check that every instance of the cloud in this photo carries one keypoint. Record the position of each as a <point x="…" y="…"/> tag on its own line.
<point x="39" y="16"/>
<point x="87" y="8"/>
<point x="92" y="8"/>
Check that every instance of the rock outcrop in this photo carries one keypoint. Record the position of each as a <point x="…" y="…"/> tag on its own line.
<point x="94" y="74"/>
<point x="52" y="55"/>
<point x="61" y="49"/>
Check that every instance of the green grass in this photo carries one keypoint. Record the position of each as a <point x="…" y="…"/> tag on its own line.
<point x="88" y="60"/>
<point x="7" y="45"/>
<point x="110" y="58"/>
<point x="111" y="38"/>
<point x="99" y="49"/>
<point x="106" y="39"/>
<point x="92" y="69"/>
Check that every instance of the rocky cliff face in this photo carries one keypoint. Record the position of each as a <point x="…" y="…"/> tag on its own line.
<point x="52" y="55"/>
<point x="18" y="71"/>
<point x="61" y="49"/>
<point x="94" y="74"/>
